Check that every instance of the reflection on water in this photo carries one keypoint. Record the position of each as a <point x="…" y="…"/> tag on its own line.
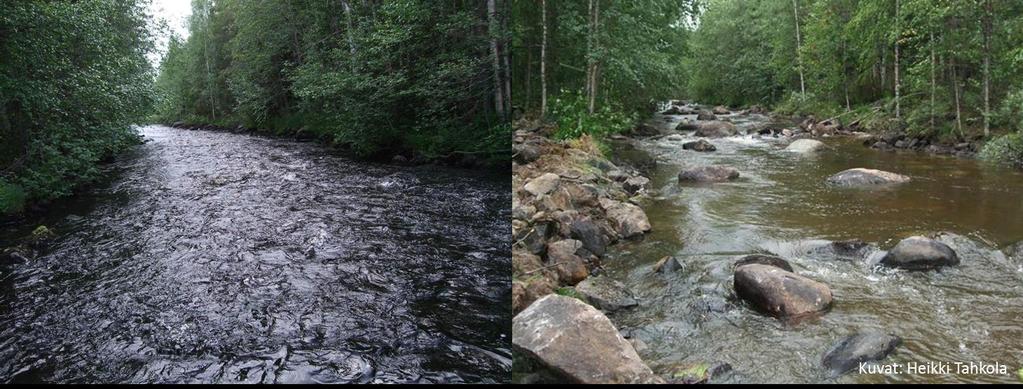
<point x="216" y="257"/>
<point x="781" y="205"/>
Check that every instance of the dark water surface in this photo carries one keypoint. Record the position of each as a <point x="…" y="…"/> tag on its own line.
<point x="969" y="313"/>
<point x="218" y="257"/>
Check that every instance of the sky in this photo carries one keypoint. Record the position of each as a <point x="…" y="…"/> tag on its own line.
<point x="175" y="14"/>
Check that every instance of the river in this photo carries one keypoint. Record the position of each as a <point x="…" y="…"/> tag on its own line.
<point x="217" y="257"/>
<point x="781" y="205"/>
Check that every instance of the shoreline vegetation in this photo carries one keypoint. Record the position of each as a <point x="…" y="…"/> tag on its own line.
<point x="409" y="81"/>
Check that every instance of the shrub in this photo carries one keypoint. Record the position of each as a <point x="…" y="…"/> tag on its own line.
<point x="569" y="109"/>
<point x="803" y="104"/>
<point x="1004" y="149"/>
<point x="12" y="198"/>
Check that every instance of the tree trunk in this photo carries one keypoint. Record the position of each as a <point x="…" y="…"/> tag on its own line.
<point x="933" y="82"/>
<point x="988" y="15"/>
<point x="898" y="35"/>
<point x="594" y="73"/>
<point x="506" y="56"/>
<point x="955" y="90"/>
<point x="799" y="44"/>
<point x="496" y="57"/>
<point x="543" y="60"/>
<point x="351" y="32"/>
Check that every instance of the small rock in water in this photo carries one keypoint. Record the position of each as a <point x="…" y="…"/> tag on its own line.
<point x="920" y="253"/>
<point x="780" y="293"/>
<point x="720" y="110"/>
<point x="708" y="174"/>
<point x="866" y="177"/>
<point x="668" y="264"/>
<point x="851" y="351"/>
<point x="697" y="373"/>
<point x="706" y="115"/>
<point x="579" y="342"/>
<point x="769" y="260"/>
<point x="714" y="129"/>
<point x="701" y="145"/>
<point x="606" y="294"/>
<point x="804" y="146"/>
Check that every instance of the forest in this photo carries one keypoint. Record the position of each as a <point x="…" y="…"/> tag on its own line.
<point x="423" y="79"/>
<point x="386" y="77"/>
<point x="938" y="68"/>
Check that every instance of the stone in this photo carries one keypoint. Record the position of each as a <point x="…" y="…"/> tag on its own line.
<point x="706" y="115"/>
<point x="701" y="145"/>
<point x="634" y="184"/>
<point x="762" y="259"/>
<point x="587" y="232"/>
<point x="526" y="153"/>
<point x="720" y="110"/>
<point x="571" y="268"/>
<point x="543" y="184"/>
<point x="715" y="129"/>
<point x="780" y="293"/>
<point x="804" y="146"/>
<point x="628" y="220"/>
<point x="668" y="264"/>
<point x="578" y="342"/>
<point x="866" y="346"/>
<point x="708" y="174"/>
<point x="606" y="294"/>
<point x="920" y="253"/>
<point x="866" y="177"/>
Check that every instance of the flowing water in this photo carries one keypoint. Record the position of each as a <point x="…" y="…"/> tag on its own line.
<point x="218" y="257"/>
<point x="781" y="204"/>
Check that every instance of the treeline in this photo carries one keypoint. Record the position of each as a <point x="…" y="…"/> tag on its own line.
<point x="380" y="77"/>
<point x="942" y="67"/>
<point x="73" y="78"/>
<point x="597" y="65"/>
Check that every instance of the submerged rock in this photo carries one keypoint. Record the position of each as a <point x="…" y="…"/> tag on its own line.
<point x="697" y="373"/>
<point x="761" y="259"/>
<point x="866" y="177"/>
<point x="606" y="294"/>
<point x="780" y="293"/>
<point x="578" y="342"/>
<point x="708" y="174"/>
<point x="700" y="145"/>
<point x="804" y="146"/>
<point x="849" y="352"/>
<point x="920" y="253"/>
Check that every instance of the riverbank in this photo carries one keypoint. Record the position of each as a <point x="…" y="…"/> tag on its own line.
<point x="745" y="196"/>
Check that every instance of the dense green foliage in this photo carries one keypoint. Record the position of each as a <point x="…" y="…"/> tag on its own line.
<point x="376" y="76"/>
<point x="73" y="78"/>
<point x="628" y="52"/>
<point x="747" y="52"/>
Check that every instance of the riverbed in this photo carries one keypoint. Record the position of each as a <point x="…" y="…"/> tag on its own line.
<point x="781" y="205"/>
<point x="217" y="257"/>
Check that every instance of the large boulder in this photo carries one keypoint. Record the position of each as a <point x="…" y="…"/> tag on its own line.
<point x="708" y="174"/>
<point x="699" y="145"/>
<point x="920" y="253"/>
<point x="804" y="146"/>
<point x="543" y="184"/>
<point x="628" y="220"/>
<point x="606" y="294"/>
<point x="762" y="259"/>
<point x="571" y="268"/>
<point x="849" y="352"/>
<point x="578" y="342"/>
<point x="715" y="129"/>
<point x="866" y="177"/>
<point x="780" y="293"/>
